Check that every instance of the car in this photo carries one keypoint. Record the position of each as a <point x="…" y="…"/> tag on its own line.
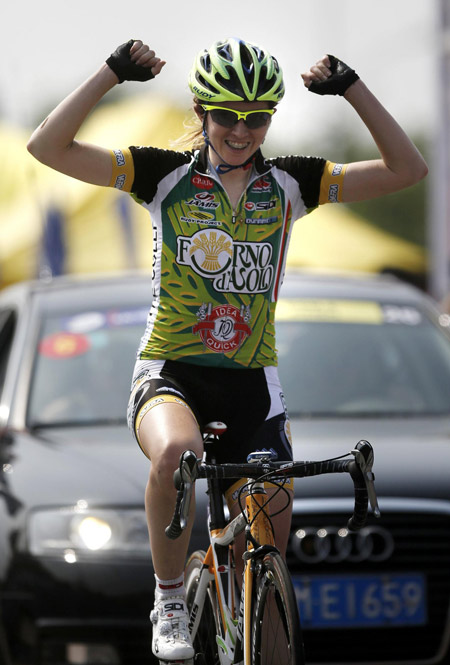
<point x="75" y="569"/>
<point x="360" y="357"/>
<point x="369" y="358"/>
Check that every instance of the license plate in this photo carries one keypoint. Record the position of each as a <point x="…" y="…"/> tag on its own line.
<point x="361" y="601"/>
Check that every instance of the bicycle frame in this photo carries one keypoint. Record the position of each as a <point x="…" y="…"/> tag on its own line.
<point x="234" y="646"/>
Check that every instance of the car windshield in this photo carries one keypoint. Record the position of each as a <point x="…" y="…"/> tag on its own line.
<point x="83" y="367"/>
<point x="360" y="358"/>
<point x="337" y="358"/>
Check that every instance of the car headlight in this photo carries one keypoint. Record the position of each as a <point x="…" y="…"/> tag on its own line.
<point x="80" y="531"/>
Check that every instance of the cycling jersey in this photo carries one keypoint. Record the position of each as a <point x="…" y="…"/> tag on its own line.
<point x="217" y="271"/>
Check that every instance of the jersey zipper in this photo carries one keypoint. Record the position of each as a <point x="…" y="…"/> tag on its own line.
<point x="237" y="214"/>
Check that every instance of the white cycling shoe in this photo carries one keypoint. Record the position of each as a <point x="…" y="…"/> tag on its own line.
<point x="171" y="640"/>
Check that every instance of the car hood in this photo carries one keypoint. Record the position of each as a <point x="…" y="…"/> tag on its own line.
<point x="101" y="465"/>
<point x="104" y="465"/>
<point x="412" y="456"/>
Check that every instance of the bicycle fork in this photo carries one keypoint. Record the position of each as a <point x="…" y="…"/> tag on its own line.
<point x="218" y="567"/>
<point x="234" y="645"/>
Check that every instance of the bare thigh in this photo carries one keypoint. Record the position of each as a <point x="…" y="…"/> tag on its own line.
<point x="166" y="431"/>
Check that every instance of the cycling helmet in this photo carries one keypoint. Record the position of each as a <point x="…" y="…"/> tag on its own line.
<point x="235" y="70"/>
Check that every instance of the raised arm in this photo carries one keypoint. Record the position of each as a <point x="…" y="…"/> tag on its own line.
<point x="53" y="143"/>
<point x="401" y="164"/>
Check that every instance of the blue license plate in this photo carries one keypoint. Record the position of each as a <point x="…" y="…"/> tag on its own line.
<point x="361" y="601"/>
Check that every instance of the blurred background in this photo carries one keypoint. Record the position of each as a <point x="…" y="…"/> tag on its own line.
<point x="50" y="224"/>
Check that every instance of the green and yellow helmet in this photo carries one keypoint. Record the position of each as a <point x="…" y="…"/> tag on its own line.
<point x="236" y="71"/>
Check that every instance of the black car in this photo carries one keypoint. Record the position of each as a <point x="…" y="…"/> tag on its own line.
<point x="76" y="573"/>
<point x="360" y="357"/>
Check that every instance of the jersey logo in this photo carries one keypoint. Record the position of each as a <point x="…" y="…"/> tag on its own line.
<point x="209" y="253"/>
<point x="203" y="200"/>
<point x="200" y="217"/>
<point x="333" y="193"/>
<point x="261" y="205"/>
<point x="234" y="267"/>
<point x="223" y="329"/>
<point x="262" y="185"/>
<point x="202" y="182"/>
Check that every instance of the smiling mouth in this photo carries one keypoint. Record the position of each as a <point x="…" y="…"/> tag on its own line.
<point x="237" y="146"/>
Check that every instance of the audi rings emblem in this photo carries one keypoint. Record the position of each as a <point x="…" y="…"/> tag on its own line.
<point x="334" y="545"/>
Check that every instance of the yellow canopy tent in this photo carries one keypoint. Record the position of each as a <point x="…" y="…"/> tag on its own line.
<point x="334" y="238"/>
<point x="93" y="217"/>
<point x="104" y="230"/>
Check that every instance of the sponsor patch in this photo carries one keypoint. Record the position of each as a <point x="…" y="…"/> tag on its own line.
<point x="120" y="181"/>
<point x="202" y="181"/>
<point x="120" y="159"/>
<point x="333" y="193"/>
<point x="200" y="217"/>
<point x="262" y="185"/>
<point x="223" y="329"/>
<point x="260" y="205"/>
<point x="203" y="200"/>
<point x="261" y="220"/>
<point x="337" y="169"/>
<point x="234" y="267"/>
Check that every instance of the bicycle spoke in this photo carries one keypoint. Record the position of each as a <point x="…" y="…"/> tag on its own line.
<point x="275" y="639"/>
<point x="276" y="633"/>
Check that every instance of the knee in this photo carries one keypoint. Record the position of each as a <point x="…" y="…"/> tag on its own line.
<point x="167" y="459"/>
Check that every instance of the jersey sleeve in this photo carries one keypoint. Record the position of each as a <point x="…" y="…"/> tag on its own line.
<point x="331" y="183"/>
<point x="320" y="181"/>
<point x="139" y="170"/>
<point x="122" y="170"/>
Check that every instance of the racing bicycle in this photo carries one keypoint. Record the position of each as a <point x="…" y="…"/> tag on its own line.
<point x="256" y="622"/>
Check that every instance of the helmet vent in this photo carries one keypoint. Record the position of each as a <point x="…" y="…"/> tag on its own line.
<point x="224" y="50"/>
<point x="232" y="83"/>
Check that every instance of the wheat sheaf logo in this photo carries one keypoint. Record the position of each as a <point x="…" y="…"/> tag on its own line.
<point x="210" y="246"/>
<point x="208" y="252"/>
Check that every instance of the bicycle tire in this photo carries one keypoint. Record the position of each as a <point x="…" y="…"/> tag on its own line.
<point x="205" y="644"/>
<point x="276" y="632"/>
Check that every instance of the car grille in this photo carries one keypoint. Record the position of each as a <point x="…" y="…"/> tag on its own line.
<point x="421" y="542"/>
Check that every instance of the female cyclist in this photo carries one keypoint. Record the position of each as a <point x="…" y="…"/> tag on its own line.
<point x="222" y="217"/>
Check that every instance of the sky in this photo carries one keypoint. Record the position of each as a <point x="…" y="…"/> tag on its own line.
<point x="52" y="46"/>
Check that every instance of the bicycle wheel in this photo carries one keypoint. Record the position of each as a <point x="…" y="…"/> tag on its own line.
<point x="205" y="644"/>
<point x="276" y="633"/>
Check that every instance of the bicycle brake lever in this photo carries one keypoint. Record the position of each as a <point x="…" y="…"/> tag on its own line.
<point x="184" y="479"/>
<point x="364" y="457"/>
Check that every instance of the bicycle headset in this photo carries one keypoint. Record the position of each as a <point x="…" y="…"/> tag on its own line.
<point x="235" y="70"/>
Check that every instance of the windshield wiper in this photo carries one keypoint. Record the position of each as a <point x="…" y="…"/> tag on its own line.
<point x="340" y="415"/>
<point x="76" y="423"/>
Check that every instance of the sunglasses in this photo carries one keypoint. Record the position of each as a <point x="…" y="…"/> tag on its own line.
<point x="229" y="117"/>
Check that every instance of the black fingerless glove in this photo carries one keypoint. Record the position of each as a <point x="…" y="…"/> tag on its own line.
<point x="123" y="66"/>
<point x="342" y="77"/>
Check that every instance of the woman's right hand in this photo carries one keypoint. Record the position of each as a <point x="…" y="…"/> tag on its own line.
<point x="135" y="61"/>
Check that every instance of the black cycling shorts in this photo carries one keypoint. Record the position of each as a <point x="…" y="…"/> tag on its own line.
<point x="249" y="401"/>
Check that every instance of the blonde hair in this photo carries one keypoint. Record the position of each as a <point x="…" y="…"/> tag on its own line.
<point x="192" y="139"/>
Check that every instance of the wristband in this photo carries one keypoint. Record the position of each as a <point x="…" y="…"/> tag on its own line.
<point x="123" y="66"/>
<point x="342" y="77"/>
